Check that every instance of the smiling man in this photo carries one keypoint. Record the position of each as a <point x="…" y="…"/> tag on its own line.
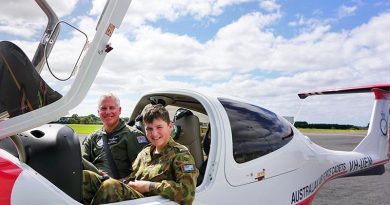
<point x="164" y="168"/>
<point x="113" y="148"/>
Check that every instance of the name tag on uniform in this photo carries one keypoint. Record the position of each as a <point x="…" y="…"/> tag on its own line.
<point x="188" y="168"/>
<point x="142" y="139"/>
<point x="112" y="140"/>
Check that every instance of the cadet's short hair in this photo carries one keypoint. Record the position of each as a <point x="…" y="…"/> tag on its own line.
<point x="109" y="95"/>
<point x="156" y="112"/>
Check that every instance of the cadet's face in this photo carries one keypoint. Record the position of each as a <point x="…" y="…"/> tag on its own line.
<point x="158" y="133"/>
<point x="109" y="113"/>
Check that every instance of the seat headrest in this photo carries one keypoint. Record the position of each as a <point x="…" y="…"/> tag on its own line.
<point x="176" y="132"/>
<point x="138" y="119"/>
<point x="182" y="112"/>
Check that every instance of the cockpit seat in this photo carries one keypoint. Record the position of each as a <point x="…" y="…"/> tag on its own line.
<point x="189" y="136"/>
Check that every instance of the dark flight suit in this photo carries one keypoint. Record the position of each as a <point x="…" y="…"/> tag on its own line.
<point x="125" y="143"/>
<point x="172" y="173"/>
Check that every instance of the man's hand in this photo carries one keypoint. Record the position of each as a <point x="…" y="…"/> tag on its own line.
<point x="140" y="186"/>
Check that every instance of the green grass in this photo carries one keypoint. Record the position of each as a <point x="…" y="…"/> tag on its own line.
<point x="84" y="129"/>
<point x="330" y="130"/>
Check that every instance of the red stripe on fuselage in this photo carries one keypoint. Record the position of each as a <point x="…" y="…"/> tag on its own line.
<point x="9" y="172"/>
<point x="381" y="94"/>
<point x="310" y="199"/>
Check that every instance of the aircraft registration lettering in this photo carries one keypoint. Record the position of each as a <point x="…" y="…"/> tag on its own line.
<point x="358" y="164"/>
<point x="307" y="190"/>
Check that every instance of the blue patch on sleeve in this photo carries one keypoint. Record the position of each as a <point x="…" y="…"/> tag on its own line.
<point x="188" y="168"/>
<point x="142" y="140"/>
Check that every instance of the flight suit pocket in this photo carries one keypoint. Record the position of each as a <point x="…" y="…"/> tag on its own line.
<point x="160" y="172"/>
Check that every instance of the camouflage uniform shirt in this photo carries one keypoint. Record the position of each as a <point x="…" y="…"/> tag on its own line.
<point x="172" y="172"/>
<point x="125" y="143"/>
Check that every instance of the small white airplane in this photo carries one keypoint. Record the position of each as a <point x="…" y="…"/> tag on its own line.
<point x="248" y="155"/>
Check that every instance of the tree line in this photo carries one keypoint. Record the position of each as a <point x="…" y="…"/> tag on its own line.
<point x="303" y="124"/>
<point x="76" y="119"/>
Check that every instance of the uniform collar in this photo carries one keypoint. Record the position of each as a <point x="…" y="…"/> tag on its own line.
<point x="120" y="126"/>
<point x="166" y="149"/>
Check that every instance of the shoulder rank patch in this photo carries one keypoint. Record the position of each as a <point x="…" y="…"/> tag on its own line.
<point x="99" y="143"/>
<point x="188" y="168"/>
<point x="142" y="139"/>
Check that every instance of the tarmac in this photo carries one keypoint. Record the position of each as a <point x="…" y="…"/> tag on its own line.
<point x="351" y="190"/>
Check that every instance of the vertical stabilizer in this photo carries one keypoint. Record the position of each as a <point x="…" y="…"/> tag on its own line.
<point x="377" y="140"/>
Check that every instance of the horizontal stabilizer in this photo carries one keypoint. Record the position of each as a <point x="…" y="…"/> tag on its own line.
<point x="357" y="89"/>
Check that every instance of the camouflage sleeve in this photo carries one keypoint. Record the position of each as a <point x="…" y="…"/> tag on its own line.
<point x="181" y="190"/>
<point x="135" y="166"/>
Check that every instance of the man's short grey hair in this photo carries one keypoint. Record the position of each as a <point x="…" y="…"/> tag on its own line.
<point x="109" y="95"/>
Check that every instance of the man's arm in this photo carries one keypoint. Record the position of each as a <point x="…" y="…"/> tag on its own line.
<point x="181" y="190"/>
<point x="86" y="148"/>
<point x="87" y="165"/>
<point x="136" y="142"/>
<point x="87" y="157"/>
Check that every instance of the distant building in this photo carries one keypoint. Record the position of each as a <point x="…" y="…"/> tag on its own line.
<point x="64" y="120"/>
<point x="289" y="118"/>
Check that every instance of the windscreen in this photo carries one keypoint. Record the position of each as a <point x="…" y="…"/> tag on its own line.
<point x="255" y="131"/>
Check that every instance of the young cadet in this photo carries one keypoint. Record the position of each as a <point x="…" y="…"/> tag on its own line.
<point x="113" y="148"/>
<point x="164" y="168"/>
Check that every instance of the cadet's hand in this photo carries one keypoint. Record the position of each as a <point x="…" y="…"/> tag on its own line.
<point x="103" y="173"/>
<point x="140" y="186"/>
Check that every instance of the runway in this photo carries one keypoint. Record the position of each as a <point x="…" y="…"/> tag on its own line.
<point x="351" y="190"/>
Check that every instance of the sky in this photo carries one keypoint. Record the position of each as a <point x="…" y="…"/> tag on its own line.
<point x="262" y="51"/>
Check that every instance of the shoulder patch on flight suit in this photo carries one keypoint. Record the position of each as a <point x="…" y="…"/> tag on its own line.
<point x="188" y="168"/>
<point x="99" y="143"/>
<point x="142" y="139"/>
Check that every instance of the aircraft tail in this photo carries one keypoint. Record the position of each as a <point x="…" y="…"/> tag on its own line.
<point x="377" y="141"/>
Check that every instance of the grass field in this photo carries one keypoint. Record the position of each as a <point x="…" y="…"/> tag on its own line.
<point x="330" y="130"/>
<point x="84" y="129"/>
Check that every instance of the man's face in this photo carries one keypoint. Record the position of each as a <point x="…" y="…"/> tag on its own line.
<point x="158" y="133"/>
<point x="109" y="113"/>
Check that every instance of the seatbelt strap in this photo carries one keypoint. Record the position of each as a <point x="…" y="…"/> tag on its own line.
<point x="111" y="162"/>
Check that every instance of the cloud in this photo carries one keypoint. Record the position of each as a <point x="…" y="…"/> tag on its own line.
<point x="237" y="59"/>
<point x="25" y="18"/>
<point x="344" y="11"/>
<point x="244" y="46"/>
<point x="141" y="12"/>
<point x="20" y="28"/>
<point x="270" y="5"/>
